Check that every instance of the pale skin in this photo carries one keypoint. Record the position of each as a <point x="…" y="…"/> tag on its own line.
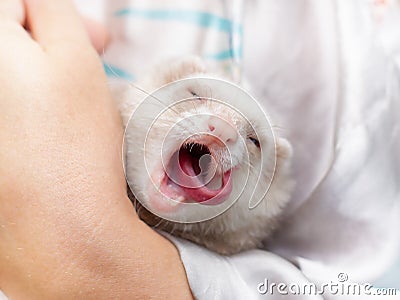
<point x="67" y="228"/>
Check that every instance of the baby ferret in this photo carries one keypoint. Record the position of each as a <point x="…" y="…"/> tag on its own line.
<point x="203" y="159"/>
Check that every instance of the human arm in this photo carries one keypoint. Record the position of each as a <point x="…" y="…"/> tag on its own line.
<point x="67" y="228"/>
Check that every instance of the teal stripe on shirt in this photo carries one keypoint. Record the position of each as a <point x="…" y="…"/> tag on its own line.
<point x="201" y="19"/>
<point x="113" y="71"/>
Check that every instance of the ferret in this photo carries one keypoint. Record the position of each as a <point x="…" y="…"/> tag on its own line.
<point x="201" y="158"/>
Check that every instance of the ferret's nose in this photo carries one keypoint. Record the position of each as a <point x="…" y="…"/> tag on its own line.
<point x="222" y="129"/>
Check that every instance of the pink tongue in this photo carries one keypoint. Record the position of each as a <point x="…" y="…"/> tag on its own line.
<point x="194" y="188"/>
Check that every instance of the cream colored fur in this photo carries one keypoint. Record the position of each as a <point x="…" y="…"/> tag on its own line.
<point x="239" y="228"/>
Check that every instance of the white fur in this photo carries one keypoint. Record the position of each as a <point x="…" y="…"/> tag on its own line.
<point x="239" y="227"/>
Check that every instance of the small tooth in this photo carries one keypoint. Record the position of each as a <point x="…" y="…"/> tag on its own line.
<point x="180" y="199"/>
<point x="177" y="201"/>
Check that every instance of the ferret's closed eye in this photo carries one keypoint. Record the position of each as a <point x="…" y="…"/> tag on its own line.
<point x="255" y="141"/>
<point x="194" y="94"/>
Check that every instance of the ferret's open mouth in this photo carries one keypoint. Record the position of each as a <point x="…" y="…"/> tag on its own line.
<point x="193" y="175"/>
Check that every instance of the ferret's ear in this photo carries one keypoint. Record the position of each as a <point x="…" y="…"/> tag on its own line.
<point x="182" y="68"/>
<point x="283" y="148"/>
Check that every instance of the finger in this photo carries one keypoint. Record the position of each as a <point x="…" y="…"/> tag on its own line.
<point x="99" y="36"/>
<point x="55" y="21"/>
<point x="12" y="9"/>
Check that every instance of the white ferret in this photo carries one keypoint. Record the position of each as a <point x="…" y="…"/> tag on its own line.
<point x="196" y="165"/>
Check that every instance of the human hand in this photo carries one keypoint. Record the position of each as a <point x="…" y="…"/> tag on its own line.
<point x="67" y="228"/>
